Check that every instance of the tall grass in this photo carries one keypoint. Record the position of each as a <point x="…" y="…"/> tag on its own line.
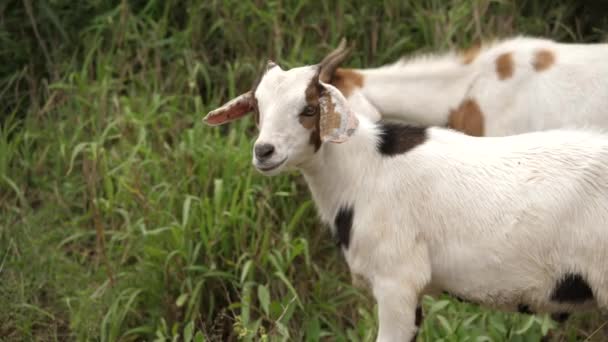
<point x="123" y="218"/>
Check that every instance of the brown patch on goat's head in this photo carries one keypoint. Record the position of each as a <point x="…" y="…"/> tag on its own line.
<point x="310" y="120"/>
<point x="311" y="116"/>
<point x="467" y="118"/>
<point x="347" y="80"/>
<point x="469" y="55"/>
<point x="543" y="60"/>
<point x="504" y="66"/>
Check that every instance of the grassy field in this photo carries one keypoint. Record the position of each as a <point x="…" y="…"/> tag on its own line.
<point x="122" y="218"/>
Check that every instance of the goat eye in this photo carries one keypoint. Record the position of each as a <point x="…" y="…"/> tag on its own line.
<point x="309" y="110"/>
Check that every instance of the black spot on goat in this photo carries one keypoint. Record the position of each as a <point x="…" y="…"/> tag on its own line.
<point x="344" y="223"/>
<point x="398" y="138"/>
<point x="419" y="316"/>
<point x="572" y="288"/>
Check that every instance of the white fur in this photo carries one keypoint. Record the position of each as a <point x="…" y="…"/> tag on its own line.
<point x="571" y="92"/>
<point x="496" y="220"/>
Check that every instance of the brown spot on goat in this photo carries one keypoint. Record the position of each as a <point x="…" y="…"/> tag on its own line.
<point x="467" y="118"/>
<point x="469" y="55"/>
<point x="311" y="116"/>
<point x="504" y="66"/>
<point x="543" y="60"/>
<point x="310" y="119"/>
<point x="347" y="80"/>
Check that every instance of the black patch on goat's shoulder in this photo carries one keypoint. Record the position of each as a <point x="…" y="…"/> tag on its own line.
<point x="572" y="288"/>
<point x="344" y="223"/>
<point x="560" y="317"/>
<point x="524" y="309"/>
<point x="399" y="138"/>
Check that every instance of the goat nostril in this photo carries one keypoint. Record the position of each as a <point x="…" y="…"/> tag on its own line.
<point x="264" y="151"/>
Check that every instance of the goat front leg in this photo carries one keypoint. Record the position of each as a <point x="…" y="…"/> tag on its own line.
<point x="398" y="310"/>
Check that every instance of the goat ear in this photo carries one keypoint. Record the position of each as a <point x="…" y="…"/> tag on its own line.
<point x="231" y="110"/>
<point x="337" y="121"/>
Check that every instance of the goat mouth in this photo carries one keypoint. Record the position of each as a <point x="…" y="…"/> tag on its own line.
<point x="271" y="167"/>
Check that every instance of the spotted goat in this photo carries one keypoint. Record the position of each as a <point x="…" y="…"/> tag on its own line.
<point x="505" y="87"/>
<point x="515" y="223"/>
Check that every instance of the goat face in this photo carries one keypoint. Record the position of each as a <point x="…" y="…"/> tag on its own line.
<point x="287" y="121"/>
<point x="296" y="112"/>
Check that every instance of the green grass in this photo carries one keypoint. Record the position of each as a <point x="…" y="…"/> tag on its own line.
<point x="101" y="137"/>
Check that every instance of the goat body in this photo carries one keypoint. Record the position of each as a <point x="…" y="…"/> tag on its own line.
<point x="512" y="222"/>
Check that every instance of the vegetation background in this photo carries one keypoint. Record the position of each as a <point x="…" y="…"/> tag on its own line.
<point x="122" y="218"/>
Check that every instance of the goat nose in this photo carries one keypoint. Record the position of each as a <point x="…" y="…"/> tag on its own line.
<point x="264" y="151"/>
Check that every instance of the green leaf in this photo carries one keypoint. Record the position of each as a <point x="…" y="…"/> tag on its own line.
<point x="445" y="324"/>
<point x="77" y="149"/>
<point x="438" y="306"/>
<point x="264" y="298"/>
<point x="313" y="330"/>
<point x="546" y="325"/>
<point x="467" y="322"/>
<point x="293" y="291"/>
<point x="188" y="332"/>
<point x="526" y="326"/>
<point x="199" y="337"/>
<point x="282" y="329"/>
<point x="181" y="300"/>
<point x="498" y="324"/>
<point x="245" y="271"/>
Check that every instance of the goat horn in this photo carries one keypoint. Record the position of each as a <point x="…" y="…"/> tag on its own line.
<point x="330" y="63"/>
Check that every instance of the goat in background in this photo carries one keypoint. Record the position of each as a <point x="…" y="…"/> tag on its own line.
<point x="517" y="85"/>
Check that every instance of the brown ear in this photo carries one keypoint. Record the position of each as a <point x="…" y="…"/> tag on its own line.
<point x="232" y="110"/>
<point x="331" y="62"/>
<point x="337" y="121"/>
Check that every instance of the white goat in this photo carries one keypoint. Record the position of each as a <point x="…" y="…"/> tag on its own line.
<point x="512" y="86"/>
<point x="516" y="223"/>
